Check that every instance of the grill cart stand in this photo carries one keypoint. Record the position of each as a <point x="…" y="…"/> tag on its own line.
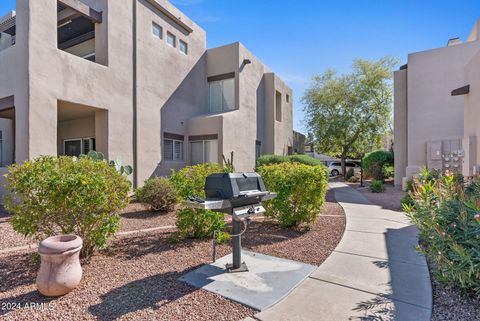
<point x="237" y="194"/>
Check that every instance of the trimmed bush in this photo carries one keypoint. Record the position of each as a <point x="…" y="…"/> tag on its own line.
<point x="377" y="187"/>
<point x="160" y="194"/>
<point x="304" y="159"/>
<point x="278" y="159"/>
<point x="271" y="159"/>
<point x="190" y="181"/>
<point x="197" y="223"/>
<point x="446" y="212"/>
<point x="66" y="195"/>
<point x="301" y="192"/>
<point x="373" y="164"/>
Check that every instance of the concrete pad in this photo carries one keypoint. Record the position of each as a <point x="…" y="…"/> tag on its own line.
<point x="268" y="280"/>
<point x="391" y="245"/>
<point x="322" y="301"/>
<point x="405" y="282"/>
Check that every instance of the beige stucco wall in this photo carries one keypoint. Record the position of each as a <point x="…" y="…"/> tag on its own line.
<point x="400" y="125"/>
<point x="472" y="115"/>
<point x="433" y="114"/>
<point x="136" y="74"/>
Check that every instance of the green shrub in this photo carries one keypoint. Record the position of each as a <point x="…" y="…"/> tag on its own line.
<point x="67" y="195"/>
<point x="388" y="171"/>
<point x="278" y="159"/>
<point x="373" y="164"/>
<point x="160" y="194"/>
<point x="377" y="186"/>
<point x="196" y="223"/>
<point x="190" y="181"/>
<point x="446" y="212"/>
<point x="271" y="159"/>
<point x="301" y="192"/>
<point x="304" y="159"/>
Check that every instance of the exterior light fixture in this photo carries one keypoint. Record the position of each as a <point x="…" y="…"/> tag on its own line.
<point x="246" y="61"/>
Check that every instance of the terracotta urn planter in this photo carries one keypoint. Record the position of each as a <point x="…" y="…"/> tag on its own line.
<point x="60" y="270"/>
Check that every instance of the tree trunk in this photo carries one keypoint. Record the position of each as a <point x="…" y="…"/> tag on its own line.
<point x="342" y="160"/>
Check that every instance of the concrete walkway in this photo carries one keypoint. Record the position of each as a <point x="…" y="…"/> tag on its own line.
<point x="375" y="273"/>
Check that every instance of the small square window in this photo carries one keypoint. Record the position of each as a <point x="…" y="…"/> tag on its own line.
<point x="157" y="30"/>
<point x="183" y="47"/>
<point x="171" y="39"/>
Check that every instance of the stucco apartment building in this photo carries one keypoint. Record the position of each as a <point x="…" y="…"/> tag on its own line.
<point x="437" y="109"/>
<point x="134" y="80"/>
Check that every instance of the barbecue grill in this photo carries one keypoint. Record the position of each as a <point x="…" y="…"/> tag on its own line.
<point x="240" y="195"/>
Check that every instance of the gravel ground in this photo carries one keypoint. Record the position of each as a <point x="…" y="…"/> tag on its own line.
<point x="134" y="217"/>
<point x="450" y="305"/>
<point x="136" y="277"/>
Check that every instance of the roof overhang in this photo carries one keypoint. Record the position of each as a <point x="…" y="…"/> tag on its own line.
<point x="461" y="91"/>
<point x="76" y="7"/>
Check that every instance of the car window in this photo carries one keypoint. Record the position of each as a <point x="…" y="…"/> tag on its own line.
<point x="350" y="164"/>
<point x="335" y="164"/>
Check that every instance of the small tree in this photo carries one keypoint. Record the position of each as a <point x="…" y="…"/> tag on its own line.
<point x="349" y="114"/>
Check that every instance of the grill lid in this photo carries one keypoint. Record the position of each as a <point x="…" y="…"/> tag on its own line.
<point x="234" y="185"/>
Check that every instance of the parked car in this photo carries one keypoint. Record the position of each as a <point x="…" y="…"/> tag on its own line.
<point x="335" y="168"/>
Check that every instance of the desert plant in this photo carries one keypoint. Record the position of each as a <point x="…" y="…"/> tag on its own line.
<point x="377" y="186"/>
<point x="51" y="195"/>
<point x="373" y="164"/>
<point x="160" y="194"/>
<point x="229" y="167"/>
<point x="190" y="181"/>
<point x="446" y="212"/>
<point x="301" y="192"/>
<point x="117" y="164"/>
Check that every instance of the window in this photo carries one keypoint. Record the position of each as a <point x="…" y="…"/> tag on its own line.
<point x="173" y="150"/>
<point x="204" y="151"/>
<point x="287" y="98"/>
<point x="183" y="47"/>
<point x="258" y="149"/>
<point x="78" y="146"/>
<point x="171" y="39"/>
<point x="157" y="30"/>
<point x="278" y="106"/>
<point x="173" y="147"/>
<point x="221" y="93"/>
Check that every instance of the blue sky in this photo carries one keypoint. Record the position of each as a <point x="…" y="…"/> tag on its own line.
<point x="300" y="38"/>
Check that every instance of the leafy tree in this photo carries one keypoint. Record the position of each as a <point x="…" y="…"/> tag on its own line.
<point x="349" y="114"/>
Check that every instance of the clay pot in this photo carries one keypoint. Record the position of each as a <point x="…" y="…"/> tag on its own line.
<point x="60" y="270"/>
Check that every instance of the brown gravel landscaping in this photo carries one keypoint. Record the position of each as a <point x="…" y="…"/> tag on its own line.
<point x="136" y="277"/>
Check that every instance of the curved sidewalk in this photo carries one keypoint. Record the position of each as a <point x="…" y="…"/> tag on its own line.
<point x="375" y="273"/>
